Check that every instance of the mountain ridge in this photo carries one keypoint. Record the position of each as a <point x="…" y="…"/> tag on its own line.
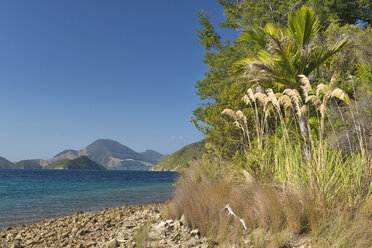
<point x="111" y="154"/>
<point x="107" y="152"/>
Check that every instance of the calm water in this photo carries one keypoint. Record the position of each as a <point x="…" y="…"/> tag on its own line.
<point x="30" y="195"/>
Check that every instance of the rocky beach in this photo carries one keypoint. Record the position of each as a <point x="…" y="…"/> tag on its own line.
<point x="128" y="226"/>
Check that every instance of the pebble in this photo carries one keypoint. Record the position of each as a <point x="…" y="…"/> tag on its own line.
<point x="115" y="227"/>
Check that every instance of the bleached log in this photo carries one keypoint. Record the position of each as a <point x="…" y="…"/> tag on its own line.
<point x="231" y="212"/>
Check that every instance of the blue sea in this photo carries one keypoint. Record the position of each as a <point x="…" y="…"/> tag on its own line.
<point x="27" y="196"/>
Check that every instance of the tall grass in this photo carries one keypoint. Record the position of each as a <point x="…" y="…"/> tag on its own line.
<point x="332" y="175"/>
<point x="291" y="183"/>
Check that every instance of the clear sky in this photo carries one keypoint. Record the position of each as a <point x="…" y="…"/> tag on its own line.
<point x="75" y="71"/>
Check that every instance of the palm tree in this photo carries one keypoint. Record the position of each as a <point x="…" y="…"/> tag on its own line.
<point x="285" y="53"/>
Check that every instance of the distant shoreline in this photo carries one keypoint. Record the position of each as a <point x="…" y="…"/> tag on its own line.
<point x="27" y="196"/>
<point x="52" y="217"/>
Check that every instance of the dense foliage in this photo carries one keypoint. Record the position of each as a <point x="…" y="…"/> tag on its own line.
<point x="331" y="43"/>
<point x="287" y="111"/>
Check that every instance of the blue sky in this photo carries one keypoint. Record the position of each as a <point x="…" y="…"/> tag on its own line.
<point x="75" y="71"/>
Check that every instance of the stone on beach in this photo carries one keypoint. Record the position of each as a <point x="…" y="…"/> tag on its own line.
<point x="115" y="227"/>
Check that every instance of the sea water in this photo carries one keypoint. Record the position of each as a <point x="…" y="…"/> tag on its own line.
<point x="27" y="196"/>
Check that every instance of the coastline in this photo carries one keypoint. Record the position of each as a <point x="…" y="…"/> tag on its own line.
<point x="127" y="226"/>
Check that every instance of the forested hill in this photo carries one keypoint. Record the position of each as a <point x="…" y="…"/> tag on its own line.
<point x="4" y="163"/>
<point x="181" y="158"/>
<point x="80" y="163"/>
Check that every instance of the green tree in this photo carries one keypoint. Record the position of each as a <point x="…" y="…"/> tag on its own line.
<point x="342" y="11"/>
<point x="217" y="86"/>
<point x="251" y="13"/>
<point x="286" y="53"/>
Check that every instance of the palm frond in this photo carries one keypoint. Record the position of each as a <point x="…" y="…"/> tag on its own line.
<point x="257" y="36"/>
<point x="320" y="56"/>
<point x="303" y="26"/>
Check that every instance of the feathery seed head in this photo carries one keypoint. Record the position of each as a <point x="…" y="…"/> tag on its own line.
<point x="251" y="94"/>
<point x="274" y="100"/>
<point x="268" y="108"/>
<point x="303" y="109"/>
<point x="238" y="125"/>
<point x="322" y="109"/>
<point x="261" y="97"/>
<point x="333" y="80"/>
<point x="285" y="101"/>
<point x="313" y="99"/>
<point x="340" y="94"/>
<point x="294" y="95"/>
<point x="240" y="115"/>
<point x="323" y="88"/>
<point x="305" y="85"/>
<point x="278" y="95"/>
<point x="246" y="100"/>
<point x="269" y="92"/>
<point x="230" y="113"/>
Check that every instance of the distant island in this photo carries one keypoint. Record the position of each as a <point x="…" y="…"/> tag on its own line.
<point x="110" y="154"/>
<point x="27" y="164"/>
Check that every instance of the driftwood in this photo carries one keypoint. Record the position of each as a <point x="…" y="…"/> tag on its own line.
<point x="233" y="214"/>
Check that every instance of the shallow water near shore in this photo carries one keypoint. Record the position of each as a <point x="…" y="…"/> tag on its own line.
<point x="27" y="196"/>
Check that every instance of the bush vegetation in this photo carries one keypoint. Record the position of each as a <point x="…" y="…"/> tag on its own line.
<point x="288" y="135"/>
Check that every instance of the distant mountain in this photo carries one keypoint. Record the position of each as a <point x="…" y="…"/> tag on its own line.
<point x="27" y="164"/>
<point x="181" y="158"/>
<point x="68" y="154"/>
<point x="4" y="163"/>
<point x="152" y="157"/>
<point x="80" y="163"/>
<point x="111" y="154"/>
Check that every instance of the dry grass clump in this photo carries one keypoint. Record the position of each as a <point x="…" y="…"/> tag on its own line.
<point x="275" y="215"/>
<point x="291" y="182"/>
<point x="203" y="191"/>
<point x="141" y="237"/>
<point x="346" y="229"/>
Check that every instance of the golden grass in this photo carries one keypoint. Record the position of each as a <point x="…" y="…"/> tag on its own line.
<point x="303" y="191"/>
<point x="275" y="215"/>
<point x="203" y="191"/>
